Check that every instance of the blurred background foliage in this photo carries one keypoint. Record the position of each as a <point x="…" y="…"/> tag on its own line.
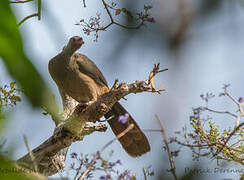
<point x="180" y="27"/>
<point x="15" y="59"/>
<point x="23" y="72"/>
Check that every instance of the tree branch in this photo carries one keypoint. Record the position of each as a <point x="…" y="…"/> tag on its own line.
<point x="94" y="23"/>
<point x="46" y="154"/>
<point x="78" y="125"/>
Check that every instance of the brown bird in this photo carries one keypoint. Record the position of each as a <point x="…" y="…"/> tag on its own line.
<point x="78" y="77"/>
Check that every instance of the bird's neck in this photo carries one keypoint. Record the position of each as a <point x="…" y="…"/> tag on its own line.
<point x="67" y="52"/>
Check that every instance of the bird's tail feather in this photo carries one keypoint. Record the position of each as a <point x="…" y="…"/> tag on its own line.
<point x="134" y="142"/>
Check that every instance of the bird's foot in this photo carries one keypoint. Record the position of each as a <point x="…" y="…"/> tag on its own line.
<point x="84" y="105"/>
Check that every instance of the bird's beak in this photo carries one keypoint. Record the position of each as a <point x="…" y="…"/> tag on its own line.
<point x="81" y="42"/>
<point x="78" y="44"/>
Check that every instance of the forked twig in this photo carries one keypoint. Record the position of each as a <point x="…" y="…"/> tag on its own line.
<point x="153" y="74"/>
<point x="38" y="14"/>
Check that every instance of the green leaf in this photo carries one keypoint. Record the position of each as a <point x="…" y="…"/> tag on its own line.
<point x="15" y="98"/>
<point x="5" y="93"/>
<point x="17" y="63"/>
<point x="9" y="171"/>
<point x="12" y="85"/>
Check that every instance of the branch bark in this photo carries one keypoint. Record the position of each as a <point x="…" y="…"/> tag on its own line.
<point x="76" y="126"/>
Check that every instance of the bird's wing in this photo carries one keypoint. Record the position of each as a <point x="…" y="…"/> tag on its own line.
<point x="86" y="66"/>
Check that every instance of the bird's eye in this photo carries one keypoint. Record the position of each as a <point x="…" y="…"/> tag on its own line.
<point x="80" y="39"/>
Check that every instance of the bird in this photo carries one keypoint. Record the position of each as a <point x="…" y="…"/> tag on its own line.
<point x="79" y="78"/>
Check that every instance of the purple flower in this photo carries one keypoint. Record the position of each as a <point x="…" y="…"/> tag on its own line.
<point x="111" y="164"/>
<point x="123" y="118"/>
<point x="74" y="155"/>
<point x="119" y="162"/>
<point x="192" y="118"/>
<point x="127" y="173"/>
<point x="241" y="100"/>
<point x="103" y="177"/>
<point x="199" y="123"/>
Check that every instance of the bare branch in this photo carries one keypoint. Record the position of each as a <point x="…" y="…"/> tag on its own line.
<point x="144" y="173"/>
<point x="153" y="74"/>
<point x="220" y="112"/>
<point x="45" y="154"/>
<point x="77" y="125"/>
<point x="171" y="161"/>
<point x="84" y="3"/>
<point x="39" y="9"/>
<point x="239" y="105"/>
<point x="109" y="13"/>
<point x="38" y="14"/>
<point x="19" y="1"/>
<point x="94" y="23"/>
<point x="27" y="17"/>
<point x="231" y="97"/>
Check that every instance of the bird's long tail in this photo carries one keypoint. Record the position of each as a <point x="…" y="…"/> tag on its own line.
<point x="134" y="142"/>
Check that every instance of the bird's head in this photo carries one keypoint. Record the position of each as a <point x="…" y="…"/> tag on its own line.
<point x="73" y="45"/>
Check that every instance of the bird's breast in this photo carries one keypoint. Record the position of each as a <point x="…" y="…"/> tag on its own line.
<point x="76" y="84"/>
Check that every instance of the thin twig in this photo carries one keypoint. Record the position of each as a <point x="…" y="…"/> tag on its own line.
<point x="231" y="134"/>
<point x="84" y="3"/>
<point x="27" y="17"/>
<point x="152" y="74"/>
<point x="152" y="130"/>
<point x="171" y="161"/>
<point x="232" y="98"/>
<point x="194" y="145"/>
<point x="18" y="1"/>
<point x="144" y="173"/>
<point x="221" y="112"/>
<point x="83" y="175"/>
<point x="39" y="9"/>
<point x="155" y="71"/>
<point x="38" y="14"/>
<point x="239" y="105"/>
<point x="109" y="13"/>
<point x="78" y="170"/>
<point x="112" y="21"/>
<point x="30" y="154"/>
<point x="115" y="84"/>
